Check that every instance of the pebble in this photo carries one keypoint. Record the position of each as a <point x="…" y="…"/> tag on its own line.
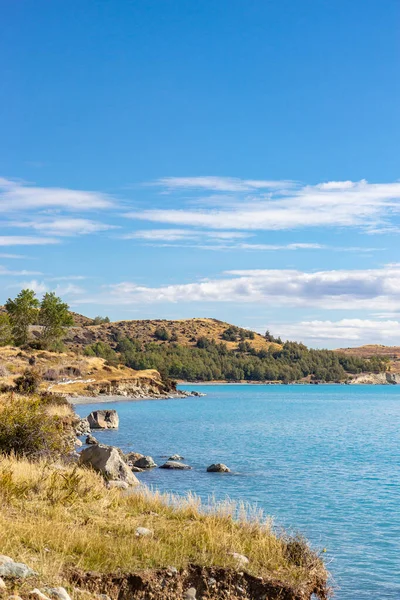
<point x="38" y="594"/>
<point x="190" y="594"/>
<point x="143" y="532"/>
<point x="58" y="593"/>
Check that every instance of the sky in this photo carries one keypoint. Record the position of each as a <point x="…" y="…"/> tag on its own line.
<point x="232" y="159"/>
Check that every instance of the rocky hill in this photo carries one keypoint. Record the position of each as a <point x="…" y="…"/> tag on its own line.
<point x="390" y="352"/>
<point x="185" y="332"/>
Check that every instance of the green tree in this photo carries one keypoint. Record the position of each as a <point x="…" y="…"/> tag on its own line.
<point x="22" y="312"/>
<point x="54" y="317"/>
<point x="5" y="330"/>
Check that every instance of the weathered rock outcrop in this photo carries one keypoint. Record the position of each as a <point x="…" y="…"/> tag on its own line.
<point x="376" y="379"/>
<point x="107" y="461"/>
<point x="103" y="419"/>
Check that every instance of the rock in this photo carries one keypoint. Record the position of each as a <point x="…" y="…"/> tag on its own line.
<point x="218" y="468"/>
<point x="240" y="558"/>
<point x="190" y="594"/>
<point x="38" y="595"/>
<point x="173" y="464"/>
<point x="145" y="462"/>
<point x="57" y="593"/>
<point x="5" y="559"/>
<point x="78" y="443"/>
<point x="17" y="570"/>
<point x="137" y="470"/>
<point x="143" y="532"/>
<point x="176" y="457"/>
<point x="14" y="597"/>
<point x="2" y="584"/>
<point x="83" y="427"/>
<point x="91" y="440"/>
<point x="172" y="571"/>
<point x="211" y="582"/>
<point x="103" y="419"/>
<point x="107" y="461"/>
<point x="132" y="457"/>
<point x="121" y="485"/>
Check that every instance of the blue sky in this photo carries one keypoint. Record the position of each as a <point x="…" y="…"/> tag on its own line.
<point x="230" y="159"/>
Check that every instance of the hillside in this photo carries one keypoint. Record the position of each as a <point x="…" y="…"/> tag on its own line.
<point x="391" y="353"/>
<point x="184" y="332"/>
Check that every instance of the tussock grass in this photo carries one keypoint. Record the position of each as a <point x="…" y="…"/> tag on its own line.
<point x="55" y="516"/>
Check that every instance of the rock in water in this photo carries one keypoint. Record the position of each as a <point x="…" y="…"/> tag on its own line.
<point x="107" y="461"/>
<point x="91" y="440"/>
<point x="103" y="419"/>
<point x="144" y="462"/>
<point x="176" y="457"/>
<point x="218" y="468"/>
<point x="173" y="464"/>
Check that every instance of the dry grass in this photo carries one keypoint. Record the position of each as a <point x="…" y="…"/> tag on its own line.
<point x="53" y="517"/>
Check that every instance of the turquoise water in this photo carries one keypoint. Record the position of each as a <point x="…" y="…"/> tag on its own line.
<point x="323" y="460"/>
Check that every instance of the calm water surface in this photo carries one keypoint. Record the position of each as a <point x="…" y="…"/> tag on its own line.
<point x="323" y="460"/>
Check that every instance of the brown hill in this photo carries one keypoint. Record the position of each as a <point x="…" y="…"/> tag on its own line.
<point x="185" y="332"/>
<point x="369" y="350"/>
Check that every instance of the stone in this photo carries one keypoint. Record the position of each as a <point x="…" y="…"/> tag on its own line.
<point x="103" y="419"/>
<point x="15" y="569"/>
<point x="176" y="457"/>
<point x="121" y="485"/>
<point x="132" y="457"/>
<point x="14" y="597"/>
<point x="137" y="470"/>
<point x="5" y="559"/>
<point x="83" y="427"/>
<point x="173" y="464"/>
<point x="211" y="582"/>
<point x="240" y="558"/>
<point x="143" y="532"/>
<point x="218" y="468"/>
<point x="78" y="443"/>
<point x="91" y="440"/>
<point x="2" y="584"/>
<point x="145" y="462"/>
<point x="57" y="593"/>
<point x="38" y="595"/>
<point x="190" y="594"/>
<point x="107" y="461"/>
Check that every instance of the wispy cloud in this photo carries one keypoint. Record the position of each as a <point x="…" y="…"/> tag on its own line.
<point x="170" y="235"/>
<point x="26" y="240"/>
<point x="343" y="332"/>
<point x="16" y="196"/>
<point x="67" y="289"/>
<point x="63" y="226"/>
<point x="13" y="256"/>
<point x="220" y="184"/>
<point x="371" y="289"/>
<point x="11" y="272"/>
<point x="263" y="206"/>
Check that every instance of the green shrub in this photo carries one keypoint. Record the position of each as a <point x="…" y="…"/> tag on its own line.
<point x="26" y="429"/>
<point x="28" y="383"/>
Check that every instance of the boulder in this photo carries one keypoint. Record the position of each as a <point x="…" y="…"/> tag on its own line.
<point x="176" y="457"/>
<point x="82" y="427"/>
<point x="15" y="570"/>
<point x="173" y="464"/>
<point x="107" y="461"/>
<point x="145" y="462"/>
<point x="132" y="457"/>
<point x="218" y="468"/>
<point x="91" y="440"/>
<point x="103" y="419"/>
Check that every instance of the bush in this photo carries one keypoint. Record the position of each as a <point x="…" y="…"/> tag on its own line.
<point x="51" y="375"/>
<point x="28" y="383"/>
<point x="161" y="334"/>
<point x="26" y="429"/>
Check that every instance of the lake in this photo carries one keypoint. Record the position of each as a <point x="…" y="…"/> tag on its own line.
<point x="322" y="460"/>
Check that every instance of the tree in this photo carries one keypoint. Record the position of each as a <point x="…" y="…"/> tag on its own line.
<point x="22" y="312"/>
<point x="5" y="330"/>
<point x="100" y="320"/>
<point x="54" y="317"/>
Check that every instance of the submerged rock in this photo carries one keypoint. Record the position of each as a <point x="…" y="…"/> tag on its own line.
<point x="218" y="468"/>
<point x="103" y="419"/>
<point x="173" y="464"/>
<point x="107" y="461"/>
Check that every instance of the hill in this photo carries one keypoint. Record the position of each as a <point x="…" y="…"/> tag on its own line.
<point x="390" y="353"/>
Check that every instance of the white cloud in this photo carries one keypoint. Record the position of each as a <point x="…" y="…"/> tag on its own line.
<point x="372" y="289"/>
<point x="170" y="235"/>
<point x="63" y="226"/>
<point x="220" y="184"/>
<point x="41" y="287"/>
<point x="344" y="332"/>
<point x="24" y="240"/>
<point x="13" y="256"/>
<point x="332" y="204"/>
<point x="15" y="196"/>
<point x="5" y="271"/>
